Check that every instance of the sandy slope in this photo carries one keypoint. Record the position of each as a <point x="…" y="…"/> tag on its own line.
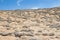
<point x="40" y="24"/>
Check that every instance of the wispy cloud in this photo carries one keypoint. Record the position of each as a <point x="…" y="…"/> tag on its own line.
<point x="18" y="2"/>
<point x="34" y="7"/>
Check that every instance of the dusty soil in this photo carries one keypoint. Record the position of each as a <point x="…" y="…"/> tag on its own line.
<point x="40" y="24"/>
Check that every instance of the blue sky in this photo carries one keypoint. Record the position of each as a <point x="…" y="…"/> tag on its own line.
<point x="27" y="4"/>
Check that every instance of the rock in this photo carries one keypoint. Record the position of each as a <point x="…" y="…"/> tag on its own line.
<point x="56" y="25"/>
<point x="19" y="34"/>
<point x="33" y="39"/>
<point x="48" y="34"/>
<point x="30" y="24"/>
<point x="9" y="20"/>
<point x="51" y="34"/>
<point x="5" y="33"/>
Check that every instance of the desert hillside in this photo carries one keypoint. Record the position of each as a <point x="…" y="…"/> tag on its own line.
<point x="33" y="24"/>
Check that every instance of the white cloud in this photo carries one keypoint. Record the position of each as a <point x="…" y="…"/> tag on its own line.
<point x="34" y="7"/>
<point x="56" y="6"/>
<point x="18" y="2"/>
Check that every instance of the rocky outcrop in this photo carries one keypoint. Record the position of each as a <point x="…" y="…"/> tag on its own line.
<point x="37" y="24"/>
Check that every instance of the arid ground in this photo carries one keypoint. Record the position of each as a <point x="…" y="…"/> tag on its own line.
<point x="33" y="24"/>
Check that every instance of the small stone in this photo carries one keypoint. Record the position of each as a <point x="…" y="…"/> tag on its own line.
<point x="5" y="33"/>
<point x="45" y="34"/>
<point x="25" y="26"/>
<point x="51" y="34"/>
<point x="48" y="34"/>
<point x="9" y="20"/>
<point x="57" y="25"/>
<point x="33" y="38"/>
<point x="39" y="31"/>
<point x="19" y="34"/>
<point x="1" y="19"/>
<point x="26" y="30"/>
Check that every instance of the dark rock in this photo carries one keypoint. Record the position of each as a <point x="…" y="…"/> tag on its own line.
<point x="48" y="34"/>
<point x="5" y="33"/>
<point x="19" y="34"/>
<point x="57" y="25"/>
<point x="51" y="34"/>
